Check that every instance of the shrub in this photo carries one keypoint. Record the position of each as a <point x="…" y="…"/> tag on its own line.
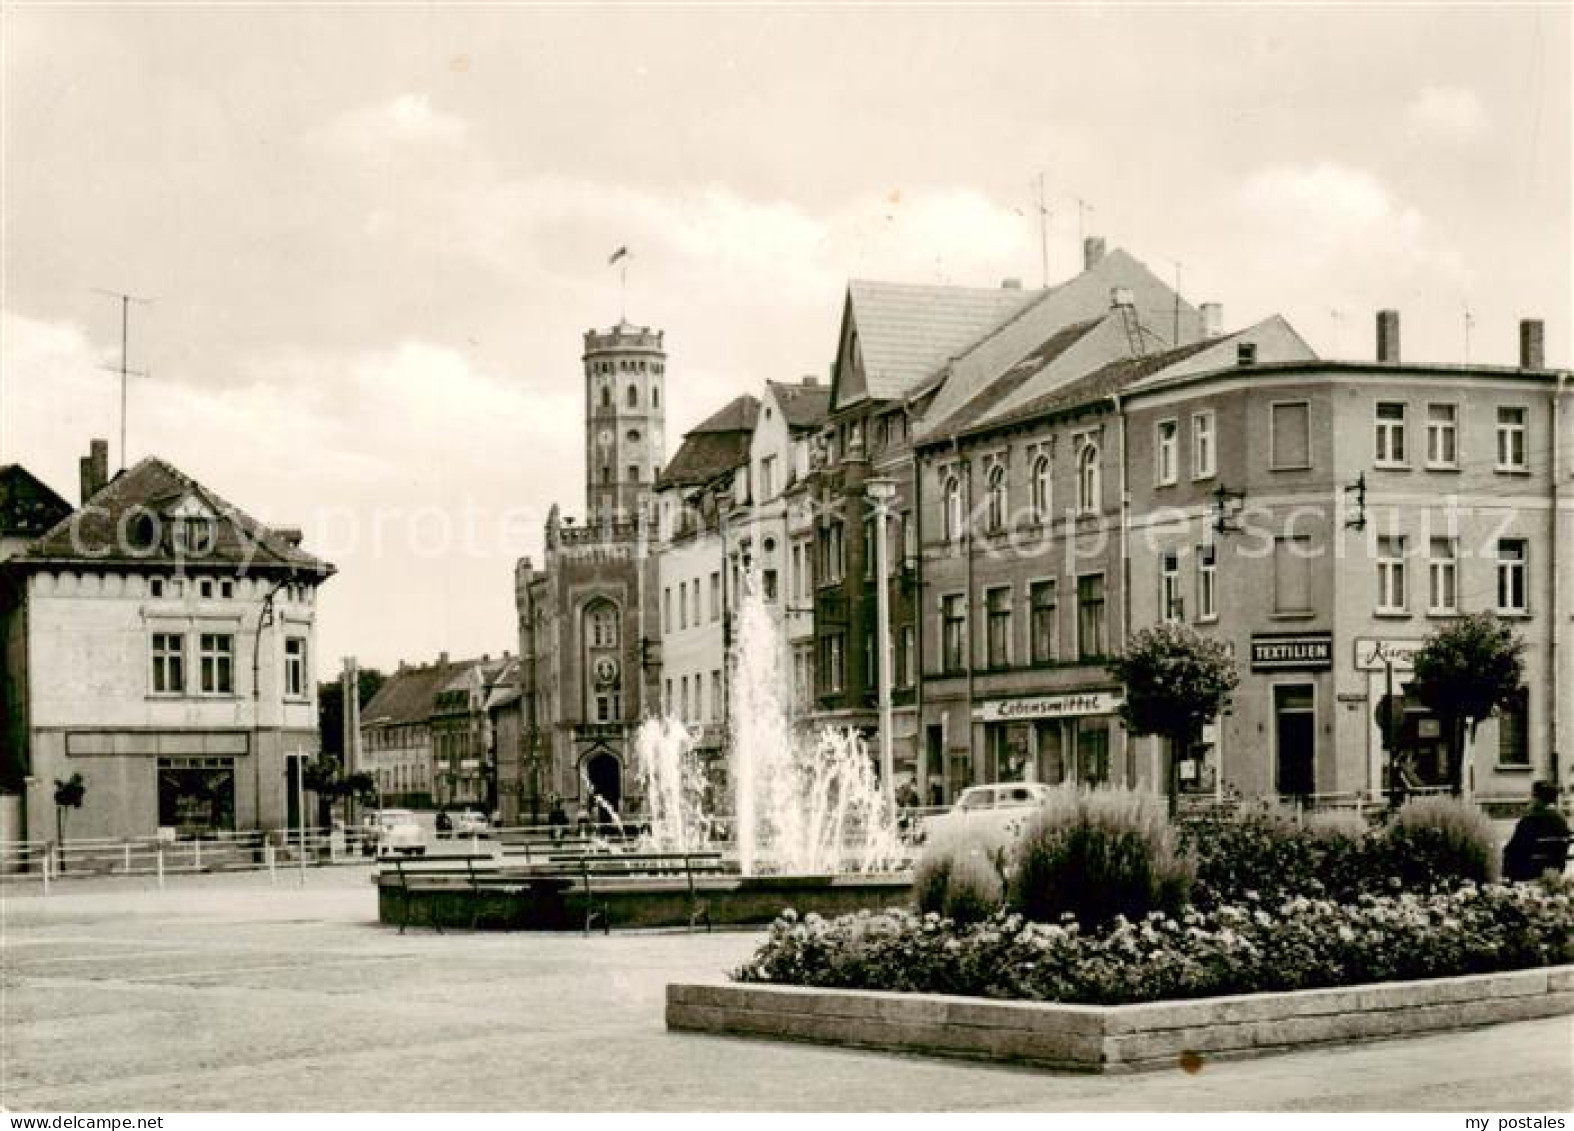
<point x="1438" y="842"/>
<point x="1299" y="944"/>
<point x="959" y="876"/>
<point x="1096" y="854"/>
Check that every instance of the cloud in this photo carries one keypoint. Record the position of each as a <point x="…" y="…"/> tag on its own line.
<point x="407" y="118"/>
<point x="1451" y="114"/>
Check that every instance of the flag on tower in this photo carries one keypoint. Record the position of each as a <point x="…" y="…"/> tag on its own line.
<point x="620" y="253"/>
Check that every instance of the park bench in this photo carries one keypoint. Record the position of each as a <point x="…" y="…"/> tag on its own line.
<point x="473" y="873"/>
<point x="597" y="873"/>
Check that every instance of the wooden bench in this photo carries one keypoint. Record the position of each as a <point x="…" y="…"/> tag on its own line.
<point x="589" y="869"/>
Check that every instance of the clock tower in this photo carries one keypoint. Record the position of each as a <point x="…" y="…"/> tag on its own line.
<point x="625" y="398"/>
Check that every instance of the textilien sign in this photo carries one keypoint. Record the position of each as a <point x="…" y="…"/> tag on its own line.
<point x="1298" y="651"/>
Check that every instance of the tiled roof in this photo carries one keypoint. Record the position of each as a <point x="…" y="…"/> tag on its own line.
<point x="714" y="446"/>
<point x="803" y="406"/>
<point x="1012" y="379"/>
<point x="410" y="694"/>
<point x="152" y="488"/>
<point x="907" y="331"/>
<point x="28" y="507"/>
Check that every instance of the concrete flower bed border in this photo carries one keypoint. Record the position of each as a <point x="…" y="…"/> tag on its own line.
<point x="1119" y="1038"/>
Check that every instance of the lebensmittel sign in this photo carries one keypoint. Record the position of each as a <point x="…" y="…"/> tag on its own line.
<point x="1047" y="706"/>
<point x="1374" y="653"/>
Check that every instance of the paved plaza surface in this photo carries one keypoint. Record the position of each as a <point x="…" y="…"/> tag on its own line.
<point x="226" y="993"/>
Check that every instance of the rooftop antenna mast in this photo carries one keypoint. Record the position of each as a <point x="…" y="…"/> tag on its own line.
<point x="125" y="319"/>
<point x="1043" y="233"/>
<point x="620" y="257"/>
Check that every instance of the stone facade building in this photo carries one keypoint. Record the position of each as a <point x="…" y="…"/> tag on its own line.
<point x="161" y="643"/>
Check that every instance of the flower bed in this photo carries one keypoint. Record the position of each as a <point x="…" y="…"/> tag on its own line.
<point x="1244" y="948"/>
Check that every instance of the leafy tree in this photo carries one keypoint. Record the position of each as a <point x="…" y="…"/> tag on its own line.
<point x="68" y="795"/>
<point x="325" y="776"/>
<point x="1175" y="681"/>
<point x="1463" y="673"/>
<point x="330" y="708"/>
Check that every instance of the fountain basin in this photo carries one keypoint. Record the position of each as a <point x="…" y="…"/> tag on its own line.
<point x="560" y="904"/>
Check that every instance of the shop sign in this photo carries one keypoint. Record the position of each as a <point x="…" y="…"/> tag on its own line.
<point x="1047" y="706"/>
<point x="1298" y="651"/>
<point x="1374" y="653"/>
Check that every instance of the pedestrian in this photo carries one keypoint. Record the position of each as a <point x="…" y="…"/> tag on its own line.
<point x="936" y="794"/>
<point x="1541" y="837"/>
<point x="445" y="823"/>
<point x="557" y="817"/>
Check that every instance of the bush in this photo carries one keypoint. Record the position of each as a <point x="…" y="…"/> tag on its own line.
<point x="1096" y="854"/>
<point x="959" y="876"/>
<point x="1300" y="944"/>
<point x="1439" y="841"/>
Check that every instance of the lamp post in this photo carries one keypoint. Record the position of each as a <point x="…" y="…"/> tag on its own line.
<point x="882" y="491"/>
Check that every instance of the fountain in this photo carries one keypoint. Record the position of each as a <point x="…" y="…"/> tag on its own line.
<point x="802" y="805"/>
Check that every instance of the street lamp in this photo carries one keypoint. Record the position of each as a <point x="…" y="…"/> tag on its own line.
<point x="882" y="491"/>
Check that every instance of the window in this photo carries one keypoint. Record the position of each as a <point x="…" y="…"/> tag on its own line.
<point x="835" y="661"/>
<point x="1442" y="573"/>
<point x="1391" y="575"/>
<point x="1165" y="437"/>
<point x="606" y="396"/>
<point x="952" y="519"/>
<point x="996" y="498"/>
<point x="666" y="609"/>
<point x="1043" y="491"/>
<point x="156" y="587"/>
<point x="909" y="537"/>
<point x="1292" y="574"/>
<point x="715" y="596"/>
<point x="633" y="435"/>
<point x="835" y="560"/>
<point x="1442" y="435"/>
<point x="602" y="621"/>
<point x="1513" y="731"/>
<point x="1041" y="622"/>
<point x="193" y="535"/>
<point x="683" y="685"/>
<point x="1207" y="583"/>
<point x="1202" y="449"/>
<point x="633" y="473"/>
<point x="1290" y="436"/>
<point x="205" y="588"/>
<point x="667" y="702"/>
<point x="997" y="628"/>
<point x="869" y="548"/>
<point x="633" y="397"/>
<point x="767" y="478"/>
<point x="169" y="663"/>
<point x="1511" y="454"/>
<point x="226" y="589"/>
<point x="715" y="694"/>
<point x="795" y="580"/>
<point x="1090" y="616"/>
<point x="295" y="667"/>
<point x="871" y="676"/>
<point x="904" y="656"/>
<point x="768" y="583"/>
<point x="1170" y="603"/>
<point x="1390" y="433"/>
<point x="1088" y="478"/>
<point x="953" y="633"/>
<point x="216" y="662"/>
<point x="1512" y="591"/>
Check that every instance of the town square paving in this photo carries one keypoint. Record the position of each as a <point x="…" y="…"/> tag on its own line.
<point x="233" y="993"/>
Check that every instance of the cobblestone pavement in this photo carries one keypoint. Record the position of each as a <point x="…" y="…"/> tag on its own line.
<point x="223" y="993"/>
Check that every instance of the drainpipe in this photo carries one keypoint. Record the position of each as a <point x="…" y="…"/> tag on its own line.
<point x="1555" y="684"/>
<point x="1125" y="565"/>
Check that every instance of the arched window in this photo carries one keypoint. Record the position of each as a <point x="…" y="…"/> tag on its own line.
<point x="655" y="396"/>
<point x="633" y="396"/>
<point x="1043" y="495"/>
<point x="606" y="396"/>
<point x="996" y="497"/>
<point x="1088" y="478"/>
<point x="601" y="624"/>
<point x="952" y="496"/>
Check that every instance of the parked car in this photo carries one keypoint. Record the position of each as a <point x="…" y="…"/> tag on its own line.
<point x="1000" y="808"/>
<point x="468" y="822"/>
<point x="395" y="831"/>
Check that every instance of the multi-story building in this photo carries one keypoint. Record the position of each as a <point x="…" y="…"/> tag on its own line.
<point x="588" y="627"/>
<point x="1324" y="518"/>
<point x="698" y="495"/>
<point x="463" y="725"/>
<point x="160" y="643"/>
<point x="911" y="358"/>
<point x="396" y="732"/>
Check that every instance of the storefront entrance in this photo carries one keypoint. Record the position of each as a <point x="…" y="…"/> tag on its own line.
<point x="1295" y="731"/>
<point x="196" y="796"/>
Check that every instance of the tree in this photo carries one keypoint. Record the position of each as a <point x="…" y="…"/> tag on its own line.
<point x="1175" y="682"/>
<point x="324" y="775"/>
<point x="1463" y="673"/>
<point x="330" y="708"/>
<point x="68" y="795"/>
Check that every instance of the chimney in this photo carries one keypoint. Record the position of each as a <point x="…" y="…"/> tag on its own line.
<point x="1245" y="353"/>
<point x="1212" y="320"/>
<point x="1120" y="296"/>
<point x="442" y="659"/>
<point x="1011" y="283"/>
<point x="1092" y="251"/>
<point x="810" y="381"/>
<point x="1388" y="337"/>
<point x="95" y="468"/>
<point x="1532" y="344"/>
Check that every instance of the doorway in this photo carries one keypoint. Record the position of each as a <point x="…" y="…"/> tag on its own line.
<point x="605" y="775"/>
<point x="1295" y="732"/>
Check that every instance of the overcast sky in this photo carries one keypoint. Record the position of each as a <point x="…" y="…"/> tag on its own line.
<point x="374" y="236"/>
